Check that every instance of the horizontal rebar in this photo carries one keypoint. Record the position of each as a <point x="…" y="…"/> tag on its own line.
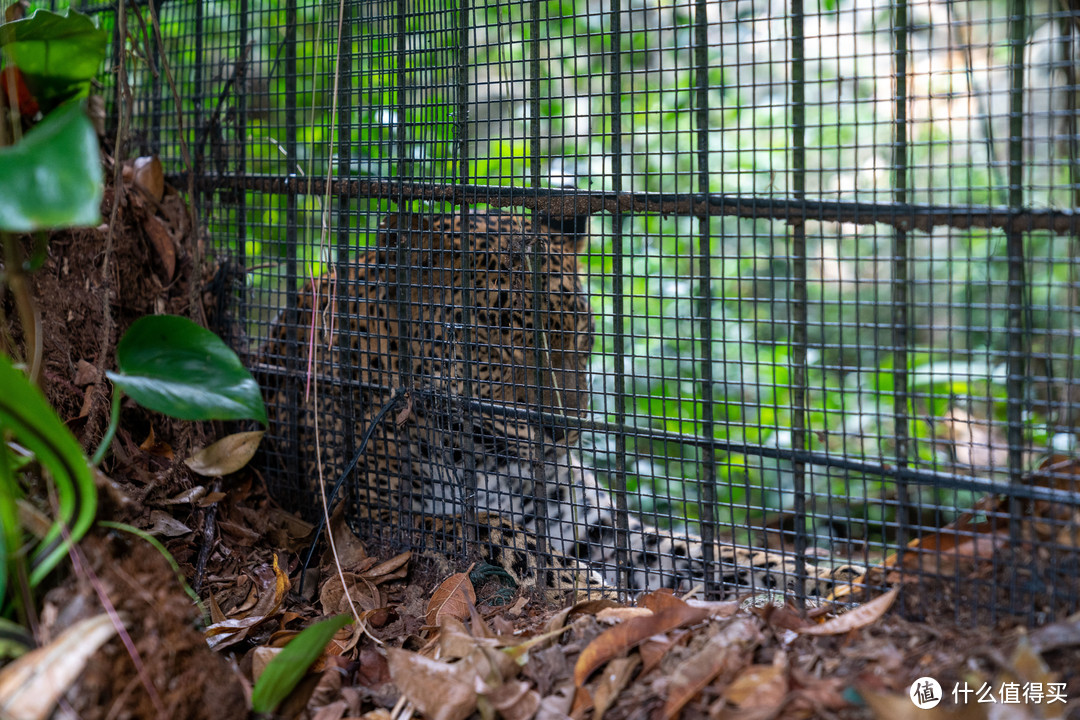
<point x="570" y="202"/>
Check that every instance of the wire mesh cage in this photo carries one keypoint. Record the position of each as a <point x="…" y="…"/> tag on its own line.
<point x="757" y="295"/>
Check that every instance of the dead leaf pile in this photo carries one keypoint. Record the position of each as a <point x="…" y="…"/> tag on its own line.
<point x="979" y="549"/>
<point x="599" y="659"/>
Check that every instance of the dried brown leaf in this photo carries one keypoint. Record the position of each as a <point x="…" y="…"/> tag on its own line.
<point x="16" y="11"/>
<point x="31" y="685"/>
<point x="227" y="455"/>
<point x="481" y="629"/>
<point x="261" y="657"/>
<point x="334" y="600"/>
<point x="610" y="616"/>
<point x="185" y="497"/>
<point x="617" y="640"/>
<point x="440" y="691"/>
<point x="211" y="498"/>
<point x="812" y="695"/>
<point x="658" y="600"/>
<point x="759" y="686"/>
<point x="156" y="447"/>
<point x="349" y="549"/>
<point x="271" y="584"/>
<point x="86" y="374"/>
<point x="513" y="700"/>
<point x="456" y="641"/>
<point x="585" y="607"/>
<point x="376" y="714"/>
<point x="784" y="618"/>
<point x="373" y="670"/>
<point x="452" y="598"/>
<point x="613" y="679"/>
<point x="332" y="711"/>
<point x="582" y="704"/>
<point x="163" y="244"/>
<point x="149" y="175"/>
<point x="216" y="614"/>
<point x="1056" y="636"/>
<point x="900" y="707"/>
<point x="653" y="650"/>
<point x="717" y="609"/>
<point x="556" y="706"/>
<point x="395" y="568"/>
<point x="165" y="525"/>
<point x="854" y="619"/>
<point x="294" y="527"/>
<point x="726" y="652"/>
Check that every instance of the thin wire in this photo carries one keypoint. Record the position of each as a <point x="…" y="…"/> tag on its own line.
<point x="332" y="499"/>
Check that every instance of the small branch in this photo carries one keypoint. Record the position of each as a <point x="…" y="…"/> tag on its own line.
<point x="124" y="103"/>
<point x="194" y="305"/>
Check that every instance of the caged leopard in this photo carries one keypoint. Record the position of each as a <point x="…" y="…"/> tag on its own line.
<point x="483" y="319"/>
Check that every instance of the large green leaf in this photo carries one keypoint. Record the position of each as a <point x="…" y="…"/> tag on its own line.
<point x="288" y="667"/>
<point x="171" y="365"/>
<point x="26" y="414"/>
<point x="58" y="54"/>
<point x="52" y="178"/>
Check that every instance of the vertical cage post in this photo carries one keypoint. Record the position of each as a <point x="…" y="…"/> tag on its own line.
<point x="618" y="320"/>
<point x="241" y="197"/>
<point x="292" y="297"/>
<point x="197" y="159"/>
<point x="900" y="269"/>
<point x="157" y="83"/>
<point x="799" y="297"/>
<point x="1066" y="410"/>
<point x="343" y="58"/>
<point x="402" y="279"/>
<point x="468" y="302"/>
<point x="704" y="303"/>
<point x="1016" y="355"/>
<point x="540" y="324"/>
<point x="119" y="34"/>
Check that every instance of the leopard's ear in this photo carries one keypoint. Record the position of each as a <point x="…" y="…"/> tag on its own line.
<point x="391" y="223"/>
<point x="413" y="220"/>
<point x="572" y="230"/>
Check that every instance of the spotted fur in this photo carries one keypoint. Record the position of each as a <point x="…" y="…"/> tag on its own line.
<point x="516" y="341"/>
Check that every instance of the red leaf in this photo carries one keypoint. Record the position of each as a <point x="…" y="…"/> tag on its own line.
<point x="11" y="78"/>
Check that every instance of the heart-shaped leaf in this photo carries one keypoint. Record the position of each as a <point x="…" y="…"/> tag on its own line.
<point x="52" y="178"/>
<point x="58" y="53"/>
<point x="171" y="365"/>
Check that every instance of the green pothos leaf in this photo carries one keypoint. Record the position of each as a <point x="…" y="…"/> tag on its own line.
<point x="171" y="365"/>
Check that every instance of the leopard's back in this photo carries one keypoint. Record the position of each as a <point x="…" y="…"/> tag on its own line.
<point x="444" y="307"/>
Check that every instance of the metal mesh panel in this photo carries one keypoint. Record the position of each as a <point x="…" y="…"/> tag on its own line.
<point x="827" y="254"/>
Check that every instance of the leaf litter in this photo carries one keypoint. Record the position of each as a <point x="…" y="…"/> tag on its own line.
<point x="431" y="648"/>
